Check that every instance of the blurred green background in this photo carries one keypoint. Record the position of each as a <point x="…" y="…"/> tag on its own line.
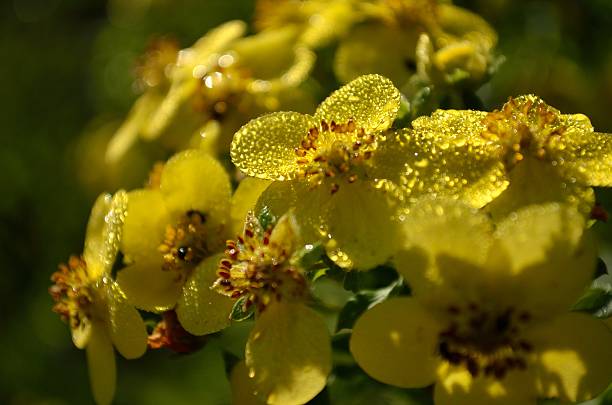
<point x="65" y="63"/>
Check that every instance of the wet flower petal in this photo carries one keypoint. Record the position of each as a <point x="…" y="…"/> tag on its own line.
<point x="354" y="217"/>
<point x="404" y="336"/>
<point x="243" y="387"/>
<point x="148" y="287"/>
<point x="457" y="386"/>
<point x="265" y="146"/>
<point x="200" y="309"/>
<point x="104" y="232"/>
<point x="549" y="256"/>
<point x="126" y="328"/>
<point x="192" y="180"/>
<point x="289" y="353"/>
<point x="144" y="225"/>
<point x="371" y="101"/>
<point x="574" y="357"/>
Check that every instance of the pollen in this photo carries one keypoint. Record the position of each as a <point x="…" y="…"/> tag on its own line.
<point x="485" y="342"/>
<point x="525" y="126"/>
<point x="259" y="269"/>
<point x="334" y="153"/>
<point x="185" y="243"/>
<point x="72" y="292"/>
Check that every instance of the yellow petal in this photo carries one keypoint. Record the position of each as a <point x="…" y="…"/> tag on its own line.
<point x="265" y="146"/>
<point x="587" y="157"/>
<point x="289" y="353"/>
<point x="366" y="50"/>
<point x="200" y="309"/>
<point x="270" y="55"/>
<point x="395" y="343"/>
<point x="215" y="41"/>
<point x="126" y="328"/>
<point x="574" y="357"/>
<point x="128" y="133"/>
<point x="359" y="221"/>
<point x="169" y="108"/>
<point x="243" y="387"/>
<point x="550" y="257"/>
<point x="104" y="233"/>
<point x="534" y="181"/>
<point x="371" y="101"/>
<point x="101" y="364"/>
<point x="148" y="287"/>
<point x="452" y="159"/>
<point x="192" y="180"/>
<point x="285" y="235"/>
<point x="244" y="200"/>
<point x="145" y="224"/>
<point x="456" y="386"/>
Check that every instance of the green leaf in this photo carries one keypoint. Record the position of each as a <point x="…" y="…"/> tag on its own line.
<point x="239" y="313"/>
<point x="595" y="301"/>
<point x="266" y="218"/>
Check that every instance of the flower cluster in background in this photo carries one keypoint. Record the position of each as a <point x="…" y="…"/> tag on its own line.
<point x="326" y="199"/>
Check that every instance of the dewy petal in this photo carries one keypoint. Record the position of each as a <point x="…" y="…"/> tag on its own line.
<point x="176" y="99"/>
<point x="244" y="199"/>
<point x="574" y="357"/>
<point x="534" y="181"/>
<point x="101" y="364"/>
<point x="148" y="287"/>
<point x="289" y="353"/>
<point x="446" y="155"/>
<point x="585" y="155"/>
<point x="362" y="232"/>
<point x="243" y="387"/>
<point x="200" y="309"/>
<point x="367" y="50"/>
<point x="193" y="180"/>
<point x="265" y="147"/>
<point x="395" y="343"/>
<point x="550" y="257"/>
<point x="127" y="330"/>
<point x="145" y="224"/>
<point x="104" y="233"/>
<point x="456" y="386"/>
<point x="371" y="101"/>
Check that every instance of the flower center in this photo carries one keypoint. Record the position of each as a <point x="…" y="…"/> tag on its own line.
<point x="334" y="151"/>
<point x="524" y="126"/>
<point x="72" y="292"/>
<point x="259" y="270"/>
<point x="485" y="341"/>
<point x="185" y="244"/>
<point x="219" y="85"/>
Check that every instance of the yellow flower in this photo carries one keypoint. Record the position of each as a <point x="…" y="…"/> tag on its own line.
<point x="222" y="78"/>
<point x="488" y="322"/>
<point x="326" y="167"/>
<point x="171" y="236"/>
<point x="288" y="353"/>
<point x="319" y="21"/>
<point x="91" y="302"/>
<point x="440" y="44"/>
<point x="544" y="155"/>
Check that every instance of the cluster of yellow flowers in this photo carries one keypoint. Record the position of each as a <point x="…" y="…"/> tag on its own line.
<point x="484" y="215"/>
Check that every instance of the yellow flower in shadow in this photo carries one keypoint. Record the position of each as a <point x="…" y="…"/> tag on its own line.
<point x="93" y="304"/>
<point x="489" y="319"/>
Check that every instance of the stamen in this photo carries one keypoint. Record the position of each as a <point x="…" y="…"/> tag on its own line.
<point x="185" y="244"/>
